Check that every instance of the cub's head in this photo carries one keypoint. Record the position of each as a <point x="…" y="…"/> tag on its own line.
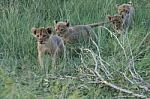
<point x="61" y="27"/>
<point x="117" y="22"/>
<point x="41" y="34"/>
<point x="123" y="9"/>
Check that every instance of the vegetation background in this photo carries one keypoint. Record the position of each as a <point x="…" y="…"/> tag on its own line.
<point x="20" y="76"/>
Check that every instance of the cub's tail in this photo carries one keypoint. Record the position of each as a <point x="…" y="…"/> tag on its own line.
<point x="98" y="24"/>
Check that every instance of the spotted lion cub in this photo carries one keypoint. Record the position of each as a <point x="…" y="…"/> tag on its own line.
<point x="127" y="13"/>
<point x="125" y="9"/>
<point x="117" y="23"/>
<point x="71" y="34"/>
<point x="47" y="43"/>
<point x="123" y="19"/>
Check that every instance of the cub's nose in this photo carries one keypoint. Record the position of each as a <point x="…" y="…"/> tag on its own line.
<point x="61" y="29"/>
<point x="60" y="35"/>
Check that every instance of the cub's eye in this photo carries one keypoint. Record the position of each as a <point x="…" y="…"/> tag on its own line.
<point x="37" y="35"/>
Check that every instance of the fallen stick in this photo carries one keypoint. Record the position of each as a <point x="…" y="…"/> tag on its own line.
<point x="119" y="88"/>
<point x="110" y="84"/>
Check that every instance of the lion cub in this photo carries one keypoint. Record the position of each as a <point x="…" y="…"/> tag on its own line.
<point x="47" y="43"/>
<point x="127" y="12"/>
<point x="123" y="18"/>
<point x="72" y="34"/>
<point x="125" y="9"/>
<point x="117" y="23"/>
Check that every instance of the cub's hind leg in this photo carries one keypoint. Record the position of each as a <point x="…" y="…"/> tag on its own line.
<point x="55" y="58"/>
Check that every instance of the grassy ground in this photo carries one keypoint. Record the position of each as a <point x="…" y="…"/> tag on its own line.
<point x="20" y="76"/>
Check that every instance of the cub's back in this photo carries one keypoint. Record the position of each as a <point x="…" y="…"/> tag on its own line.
<point x="81" y="30"/>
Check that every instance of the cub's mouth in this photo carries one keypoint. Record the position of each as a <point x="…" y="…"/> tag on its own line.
<point x="61" y="35"/>
<point x="41" y="41"/>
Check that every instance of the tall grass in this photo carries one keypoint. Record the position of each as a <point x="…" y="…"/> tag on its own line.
<point x="20" y="76"/>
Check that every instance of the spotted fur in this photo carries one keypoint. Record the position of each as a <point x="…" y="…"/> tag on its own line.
<point x="123" y="19"/>
<point x="127" y="13"/>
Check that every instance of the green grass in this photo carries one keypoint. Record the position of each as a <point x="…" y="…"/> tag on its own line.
<point x="20" y="76"/>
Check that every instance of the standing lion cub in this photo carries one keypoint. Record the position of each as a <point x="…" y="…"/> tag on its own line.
<point x="72" y="34"/>
<point x="117" y="23"/>
<point x="127" y="13"/>
<point x="124" y="17"/>
<point x="47" y="43"/>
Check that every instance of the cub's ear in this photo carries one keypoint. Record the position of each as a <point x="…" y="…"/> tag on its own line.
<point x="33" y="30"/>
<point x="55" y="21"/>
<point x="122" y="16"/>
<point x="109" y="17"/>
<point x="49" y="30"/>
<point x="67" y="23"/>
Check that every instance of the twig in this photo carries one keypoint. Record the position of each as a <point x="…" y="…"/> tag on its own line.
<point x="62" y="78"/>
<point x="118" y="97"/>
<point x="119" y="88"/>
<point x="112" y="33"/>
<point x="113" y="85"/>
<point x="101" y="61"/>
<point x="127" y="78"/>
<point x="104" y="69"/>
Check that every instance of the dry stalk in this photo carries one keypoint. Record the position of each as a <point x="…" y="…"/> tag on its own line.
<point x="110" y="84"/>
<point x="137" y="78"/>
<point x="131" y="65"/>
<point x="113" y="34"/>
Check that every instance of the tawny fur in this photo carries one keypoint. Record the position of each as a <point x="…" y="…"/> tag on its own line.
<point x="117" y="23"/>
<point x="125" y="9"/>
<point x="123" y="19"/>
<point x="72" y="34"/>
<point x="127" y="12"/>
<point x="47" y="43"/>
